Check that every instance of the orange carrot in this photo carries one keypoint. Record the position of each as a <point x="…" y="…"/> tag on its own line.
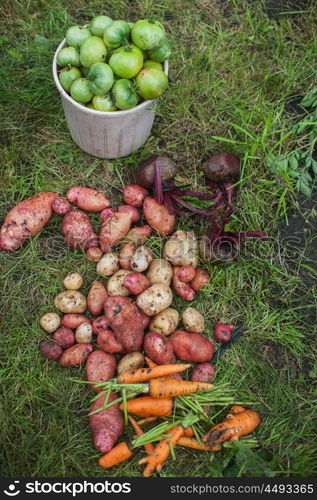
<point x="118" y="454"/>
<point x="237" y="423"/>
<point x="162" y="451"/>
<point x="169" y="387"/>
<point x="147" y="406"/>
<point x="191" y="442"/>
<point x="150" y="363"/>
<point x="147" y="420"/>
<point x="149" y="447"/>
<point x="188" y="432"/>
<point x="144" y="374"/>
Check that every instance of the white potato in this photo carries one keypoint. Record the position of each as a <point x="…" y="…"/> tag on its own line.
<point x="83" y="334"/>
<point x="165" y="322"/>
<point x="115" y="284"/>
<point x="50" y="322"/>
<point x="160" y="271"/>
<point x="131" y="361"/>
<point x="193" y="320"/>
<point x="70" y="301"/>
<point x="73" y="281"/>
<point x="108" y="264"/>
<point x="141" y="259"/>
<point x="155" y="299"/>
<point x="181" y="249"/>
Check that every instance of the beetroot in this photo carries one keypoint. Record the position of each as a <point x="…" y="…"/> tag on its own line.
<point x="222" y="167"/>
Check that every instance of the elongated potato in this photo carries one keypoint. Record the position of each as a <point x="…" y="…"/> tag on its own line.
<point x="158" y="217"/>
<point x="160" y="271"/>
<point x="134" y="195"/>
<point x="108" y="264"/>
<point x="100" y="367"/>
<point x="96" y="298"/>
<point x="114" y="229"/>
<point x="155" y="299"/>
<point x="165" y="322"/>
<point x="193" y="320"/>
<point x="115" y="284"/>
<point x="181" y="249"/>
<point x="26" y="219"/>
<point x="192" y="347"/>
<point x="87" y="199"/>
<point x="74" y="320"/>
<point x="130" y="361"/>
<point x="70" y="301"/>
<point x="183" y="290"/>
<point x="75" y="355"/>
<point x="107" y="425"/>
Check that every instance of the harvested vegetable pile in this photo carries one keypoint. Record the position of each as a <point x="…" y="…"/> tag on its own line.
<point x="129" y="311"/>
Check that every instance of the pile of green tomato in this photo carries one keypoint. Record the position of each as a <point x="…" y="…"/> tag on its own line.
<point x="111" y="65"/>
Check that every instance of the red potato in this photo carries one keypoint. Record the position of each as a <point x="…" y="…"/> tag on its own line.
<point x="159" y="348"/>
<point x="50" y="349"/>
<point x="99" y="324"/>
<point x="126" y="321"/>
<point x="60" y="206"/>
<point x="64" y="337"/>
<point x="203" y="372"/>
<point x="222" y="332"/>
<point x="134" y="195"/>
<point x="200" y="280"/>
<point x="106" y="213"/>
<point x="107" y="425"/>
<point x="136" y="283"/>
<point x="192" y="347"/>
<point x="96" y="298"/>
<point x="186" y="273"/>
<point x="100" y="367"/>
<point x="130" y="210"/>
<point x="138" y="235"/>
<point x="114" y="229"/>
<point x="125" y="256"/>
<point x="87" y="199"/>
<point x="158" y="217"/>
<point x="25" y="220"/>
<point x="73" y="320"/>
<point x="183" y="290"/>
<point x="93" y="254"/>
<point x="146" y="320"/>
<point x="75" y="355"/>
<point x="107" y="341"/>
<point x="78" y="231"/>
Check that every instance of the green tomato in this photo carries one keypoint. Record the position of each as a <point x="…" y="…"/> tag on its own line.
<point x="127" y="61"/>
<point x="151" y="83"/>
<point x="84" y="71"/>
<point x="147" y="34"/>
<point x="124" y="94"/>
<point x="103" y="103"/>
<point x="68" y="76"/>
<point x="100" y="78"/>
<point x="161" y="53"/>
<point x="75" y="36"/>
<point x="80" y="91"/>
<point x="92" y="50"/>
<point x="152" y="64"/>
<point x="116" y="34"/>
<point x="68" y="56"/>
<point x="98" y="25"/>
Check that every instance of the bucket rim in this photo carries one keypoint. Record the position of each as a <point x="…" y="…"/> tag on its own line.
<point x="110" y="114"/>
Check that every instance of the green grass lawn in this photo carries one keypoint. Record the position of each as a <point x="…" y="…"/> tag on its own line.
<point x="234" y="73"/>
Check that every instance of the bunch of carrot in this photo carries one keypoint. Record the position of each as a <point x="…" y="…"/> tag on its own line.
<point x="159" y="402"/>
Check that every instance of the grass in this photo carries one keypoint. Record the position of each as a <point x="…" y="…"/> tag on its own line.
<point x="234" y="72"/>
